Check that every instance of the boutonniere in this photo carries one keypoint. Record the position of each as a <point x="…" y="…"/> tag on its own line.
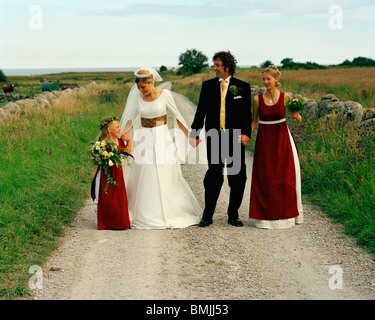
<point x="234" y="89"/>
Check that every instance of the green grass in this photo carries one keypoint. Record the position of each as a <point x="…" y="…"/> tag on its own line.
<point x="44" y="180"/>
<point x="338" y="173"/>
<point x="337" y="165"/>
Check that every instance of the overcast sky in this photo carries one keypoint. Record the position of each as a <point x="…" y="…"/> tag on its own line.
<point x="80" y="34"/>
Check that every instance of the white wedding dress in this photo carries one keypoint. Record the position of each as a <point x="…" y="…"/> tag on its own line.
<point x="158" y="195"/>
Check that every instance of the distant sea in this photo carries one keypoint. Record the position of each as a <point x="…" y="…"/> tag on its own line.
<point x="41" y="71"/>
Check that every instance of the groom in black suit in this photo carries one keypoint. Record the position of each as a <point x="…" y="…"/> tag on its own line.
<point x="225" y="107"/>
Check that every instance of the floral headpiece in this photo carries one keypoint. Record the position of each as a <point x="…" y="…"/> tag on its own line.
<point x="272" y="67"/>
<point x="108" y="120"/>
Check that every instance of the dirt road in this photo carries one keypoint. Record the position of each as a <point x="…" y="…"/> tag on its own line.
<point x="310" y="261"/>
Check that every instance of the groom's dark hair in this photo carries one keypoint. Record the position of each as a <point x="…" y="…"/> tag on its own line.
<point x="227" y="59"/>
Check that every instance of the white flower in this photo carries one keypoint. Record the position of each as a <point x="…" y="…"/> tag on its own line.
<point x="110" y="163"/>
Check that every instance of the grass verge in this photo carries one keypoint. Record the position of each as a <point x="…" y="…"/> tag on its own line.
<point x="45" y="175"/>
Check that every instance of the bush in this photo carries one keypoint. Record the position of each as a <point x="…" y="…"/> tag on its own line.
<point x="3" y="78"/>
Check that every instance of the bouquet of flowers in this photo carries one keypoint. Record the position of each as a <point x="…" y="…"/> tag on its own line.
<point x="107" y="154"/>
<point x="294" y="105"/>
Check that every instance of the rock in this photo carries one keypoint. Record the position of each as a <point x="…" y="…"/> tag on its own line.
<point x="329" y="96"/>
<point x="312" y="111"/>
<point x="337" y="107"/>
<point x="3" y="114"/>
<point x="42" y="102"/>
<point x="370" y="113"/>
<point x="368" y="122"/>
<point x="57" y="93"/>
<point x="11" y="108"/>
<point x="26" y="105"/>
<point x="48" y="95"/>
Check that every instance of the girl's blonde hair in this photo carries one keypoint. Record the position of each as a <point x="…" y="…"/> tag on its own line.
<point x="104" y="124"/>
<point x="274" y="72"/>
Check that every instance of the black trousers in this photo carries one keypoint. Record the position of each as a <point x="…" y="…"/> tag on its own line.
<point x="224" y="151"/>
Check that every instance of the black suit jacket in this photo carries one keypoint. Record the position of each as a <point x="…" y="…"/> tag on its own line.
<point x="237" y="107"/>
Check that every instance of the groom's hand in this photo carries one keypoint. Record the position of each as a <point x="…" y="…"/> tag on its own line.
<point x="244" y="139"/>
<point x="194" y="142"/>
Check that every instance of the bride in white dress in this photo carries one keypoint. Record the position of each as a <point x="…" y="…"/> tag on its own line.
<point x="158" y="195"/>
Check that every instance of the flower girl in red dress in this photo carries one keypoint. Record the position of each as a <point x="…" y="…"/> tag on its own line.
<point x="108" y="186"/>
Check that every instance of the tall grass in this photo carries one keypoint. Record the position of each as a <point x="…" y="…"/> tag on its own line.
<point x="337" y="157"/>
<point x="45" y="174"/>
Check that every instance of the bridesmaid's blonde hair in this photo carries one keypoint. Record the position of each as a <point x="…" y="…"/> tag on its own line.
<point x="274" y="72"/>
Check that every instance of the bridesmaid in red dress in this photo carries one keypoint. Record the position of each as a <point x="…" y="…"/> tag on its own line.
<point x="112" y="205"/>
<point x="275" y="197"/>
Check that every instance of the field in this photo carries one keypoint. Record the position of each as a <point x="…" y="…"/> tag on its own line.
<point x="354" y="84"/>
<point x="351" y="84"/>
<point x="46" y="173"/>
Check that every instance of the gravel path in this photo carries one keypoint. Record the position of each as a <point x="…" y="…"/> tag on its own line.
<point x="219" y="262"/>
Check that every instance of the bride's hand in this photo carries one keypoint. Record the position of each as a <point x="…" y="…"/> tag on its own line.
<point x="194" y="142"/>
<point x="125" y="137"/>
<point x="128" y="142"/>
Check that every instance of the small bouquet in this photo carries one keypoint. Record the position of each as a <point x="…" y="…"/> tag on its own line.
<point x="107" y="154"/>
<point x="294" y="105"/>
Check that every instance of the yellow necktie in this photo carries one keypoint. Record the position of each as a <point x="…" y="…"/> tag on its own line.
<point x="222" y="107"/>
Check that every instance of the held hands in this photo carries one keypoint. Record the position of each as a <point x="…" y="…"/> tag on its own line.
<point x="194" y="142"/>
<point x="244" y="139"/>
<point x="125" y="137"/>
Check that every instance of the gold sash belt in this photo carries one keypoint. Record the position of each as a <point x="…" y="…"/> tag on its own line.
<point x="153" y="122"/>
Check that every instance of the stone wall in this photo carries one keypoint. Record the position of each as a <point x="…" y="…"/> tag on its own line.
<point x="10" y="97"/>
<point x="329" y="106"/>
<point x="40" y="101"/>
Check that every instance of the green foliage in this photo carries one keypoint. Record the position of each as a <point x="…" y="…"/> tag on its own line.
<point x="289" y="64"/>
<point x="266" y="63"/>
<point x="338" y="173"/>
<point x="192" y="61"/>
<point x="3" y="77"/>
<point x="163" y="68"/>
<point x="359" y="62"/>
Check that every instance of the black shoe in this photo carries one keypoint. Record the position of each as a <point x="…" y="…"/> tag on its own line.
<point x="205" y="223"/>
<point x="235" y="222"/>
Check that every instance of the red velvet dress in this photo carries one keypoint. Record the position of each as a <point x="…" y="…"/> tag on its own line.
<point x="275" y="168"/>
<point x="112" y="207"/>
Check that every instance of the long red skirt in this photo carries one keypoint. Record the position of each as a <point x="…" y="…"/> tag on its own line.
<point x="112" y="210"/>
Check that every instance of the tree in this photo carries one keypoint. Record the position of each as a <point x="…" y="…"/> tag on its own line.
<point x="287" y="62"/>
<point x="192" y="61"/>
<point x="363" y="62"/>
<point x="163" y="68"/>
<point x="266" y="63"/>
<point x="3" y="78"/>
